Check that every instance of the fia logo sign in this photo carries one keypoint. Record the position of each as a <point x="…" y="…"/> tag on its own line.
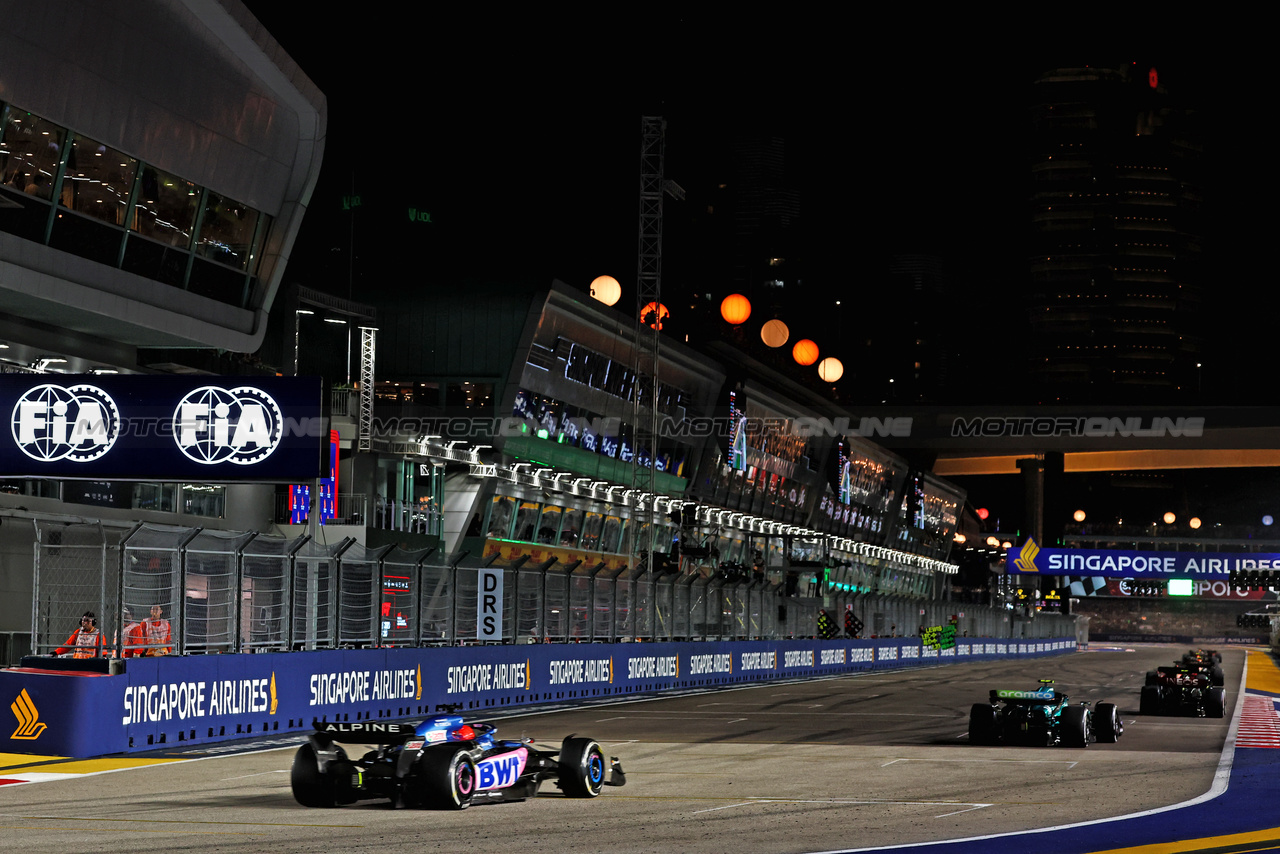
<point x="77" y="423"/>
<point x="216" y="425"/>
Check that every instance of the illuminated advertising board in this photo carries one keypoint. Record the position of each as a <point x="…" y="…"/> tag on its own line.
<point x="1030" y="559"/>
<point x="200" y="429"/>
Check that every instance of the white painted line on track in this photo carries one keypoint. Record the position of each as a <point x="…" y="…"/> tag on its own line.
<point x="969" y="806"/>
<point x="1069" y="763"/>
<point x="1221" y="778"/>
<point x="259" y="774"/>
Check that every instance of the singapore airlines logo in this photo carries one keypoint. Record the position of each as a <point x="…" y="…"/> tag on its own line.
<point x="29" y="726"/>
<point x="418" y="695"/>
<point x="274" y="699"/>
<point x="214" y="425"/>
<point x="76" y="423"/>
<point x="1026" y="562"/>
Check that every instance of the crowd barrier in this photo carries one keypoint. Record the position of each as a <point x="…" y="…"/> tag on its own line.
<point x="168" y="702"/>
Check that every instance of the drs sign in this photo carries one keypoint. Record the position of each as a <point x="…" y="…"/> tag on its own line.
<point x="489" y="605"/>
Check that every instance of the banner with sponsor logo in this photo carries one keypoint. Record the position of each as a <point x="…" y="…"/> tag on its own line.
<point x="201" y="429"/>
<point x="172" y="701"/>
<point x="1029" y="559"/>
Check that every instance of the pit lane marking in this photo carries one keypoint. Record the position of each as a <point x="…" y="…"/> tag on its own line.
<point x="138" y="830"/>
<point x="169" y="821"/>
<point x="259" y="774"/>
<point x="970" y="806"/>
<point x="1070" y="764"/>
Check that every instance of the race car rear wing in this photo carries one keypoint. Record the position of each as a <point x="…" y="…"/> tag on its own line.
<point x="367" y="732"/>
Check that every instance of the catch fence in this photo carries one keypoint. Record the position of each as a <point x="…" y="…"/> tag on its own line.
<point x="225" y="592"/>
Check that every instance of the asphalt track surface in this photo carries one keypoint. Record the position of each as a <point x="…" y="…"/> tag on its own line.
<point x="843" y="764"/>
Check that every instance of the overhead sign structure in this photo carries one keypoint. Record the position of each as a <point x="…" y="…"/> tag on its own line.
<point x="202" y="428"/>
<point x="1030" y="559"/>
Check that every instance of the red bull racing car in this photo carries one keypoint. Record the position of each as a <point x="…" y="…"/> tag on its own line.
<point x="441" y="763"/>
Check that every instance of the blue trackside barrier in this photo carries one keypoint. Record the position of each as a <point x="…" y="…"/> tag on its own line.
<point x="178" y="700"/>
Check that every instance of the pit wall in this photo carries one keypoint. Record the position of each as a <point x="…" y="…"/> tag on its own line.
<point x="168" y="702"/>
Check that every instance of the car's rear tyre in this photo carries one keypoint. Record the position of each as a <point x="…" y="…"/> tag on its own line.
<point x="1107" y="723"/>
<point x="1215" y="702"/>
<point x="1153" y="678"/>
<point x="982" y="724"/>
<point x="1150" y="702"/>
<point x="1076" y="726"/>
<point x="582" y="768"/>
<point x="311" y="787"/>
<point x="1216" y="676"/>
<point x="444" y="778"/>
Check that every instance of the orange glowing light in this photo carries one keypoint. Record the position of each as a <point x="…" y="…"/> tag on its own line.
<point x="735" y="309"/>
<point x="653" y="314"/>
<point x="805" y="352"/>
<point x="775" y="333"/>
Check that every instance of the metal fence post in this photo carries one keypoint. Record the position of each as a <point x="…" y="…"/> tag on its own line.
<point x="452" y="634"/>
<point x="237" y="622"/>
<point x="335" y="606"/>
<point x="375" y="596"/>
<point x="417" y="596"/>
<point x="182" y="589"/>
<point x="291" y="568"/>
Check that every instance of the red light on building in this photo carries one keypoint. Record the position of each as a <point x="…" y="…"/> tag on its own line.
<point x="983" y="513"/>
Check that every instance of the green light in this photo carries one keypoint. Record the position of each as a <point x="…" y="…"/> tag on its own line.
<point x="543" y="433"/>
<point x="1181" y="587"/>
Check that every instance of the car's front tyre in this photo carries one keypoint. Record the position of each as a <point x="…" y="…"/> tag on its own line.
<point x="582" y="768"/>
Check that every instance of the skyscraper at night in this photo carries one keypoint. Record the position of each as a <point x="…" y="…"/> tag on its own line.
<point x="1115" y="297"/>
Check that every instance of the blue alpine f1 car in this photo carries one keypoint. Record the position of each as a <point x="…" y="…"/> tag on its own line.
<point x="1042" y="717"/>
<point x="441" y="763"/>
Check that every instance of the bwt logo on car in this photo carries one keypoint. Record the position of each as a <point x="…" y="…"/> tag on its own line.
<point x="214" y="425"/>
<point x="76" y="423"/>
<point x="498" y="772"/>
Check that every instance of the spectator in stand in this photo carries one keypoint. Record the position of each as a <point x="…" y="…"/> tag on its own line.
<point x="158" y="633"/>
<point x="86" y="641"/>
<point x="135" y="638"/>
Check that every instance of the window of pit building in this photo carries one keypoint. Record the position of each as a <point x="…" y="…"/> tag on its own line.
<point x="610" y="533"/>
<point x="591" y="531"/>
<point x="501" y="512"/>
<point x="227" y="232"/>
<point x="526" y="521"/>
<point x="30" y="153"/>
<point x="571" y="530"/>
<point x="98" y="180"/>
<point x="549" y="525"/>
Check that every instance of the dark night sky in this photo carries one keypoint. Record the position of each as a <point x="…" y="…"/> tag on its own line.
<point x="521" y="137"/>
